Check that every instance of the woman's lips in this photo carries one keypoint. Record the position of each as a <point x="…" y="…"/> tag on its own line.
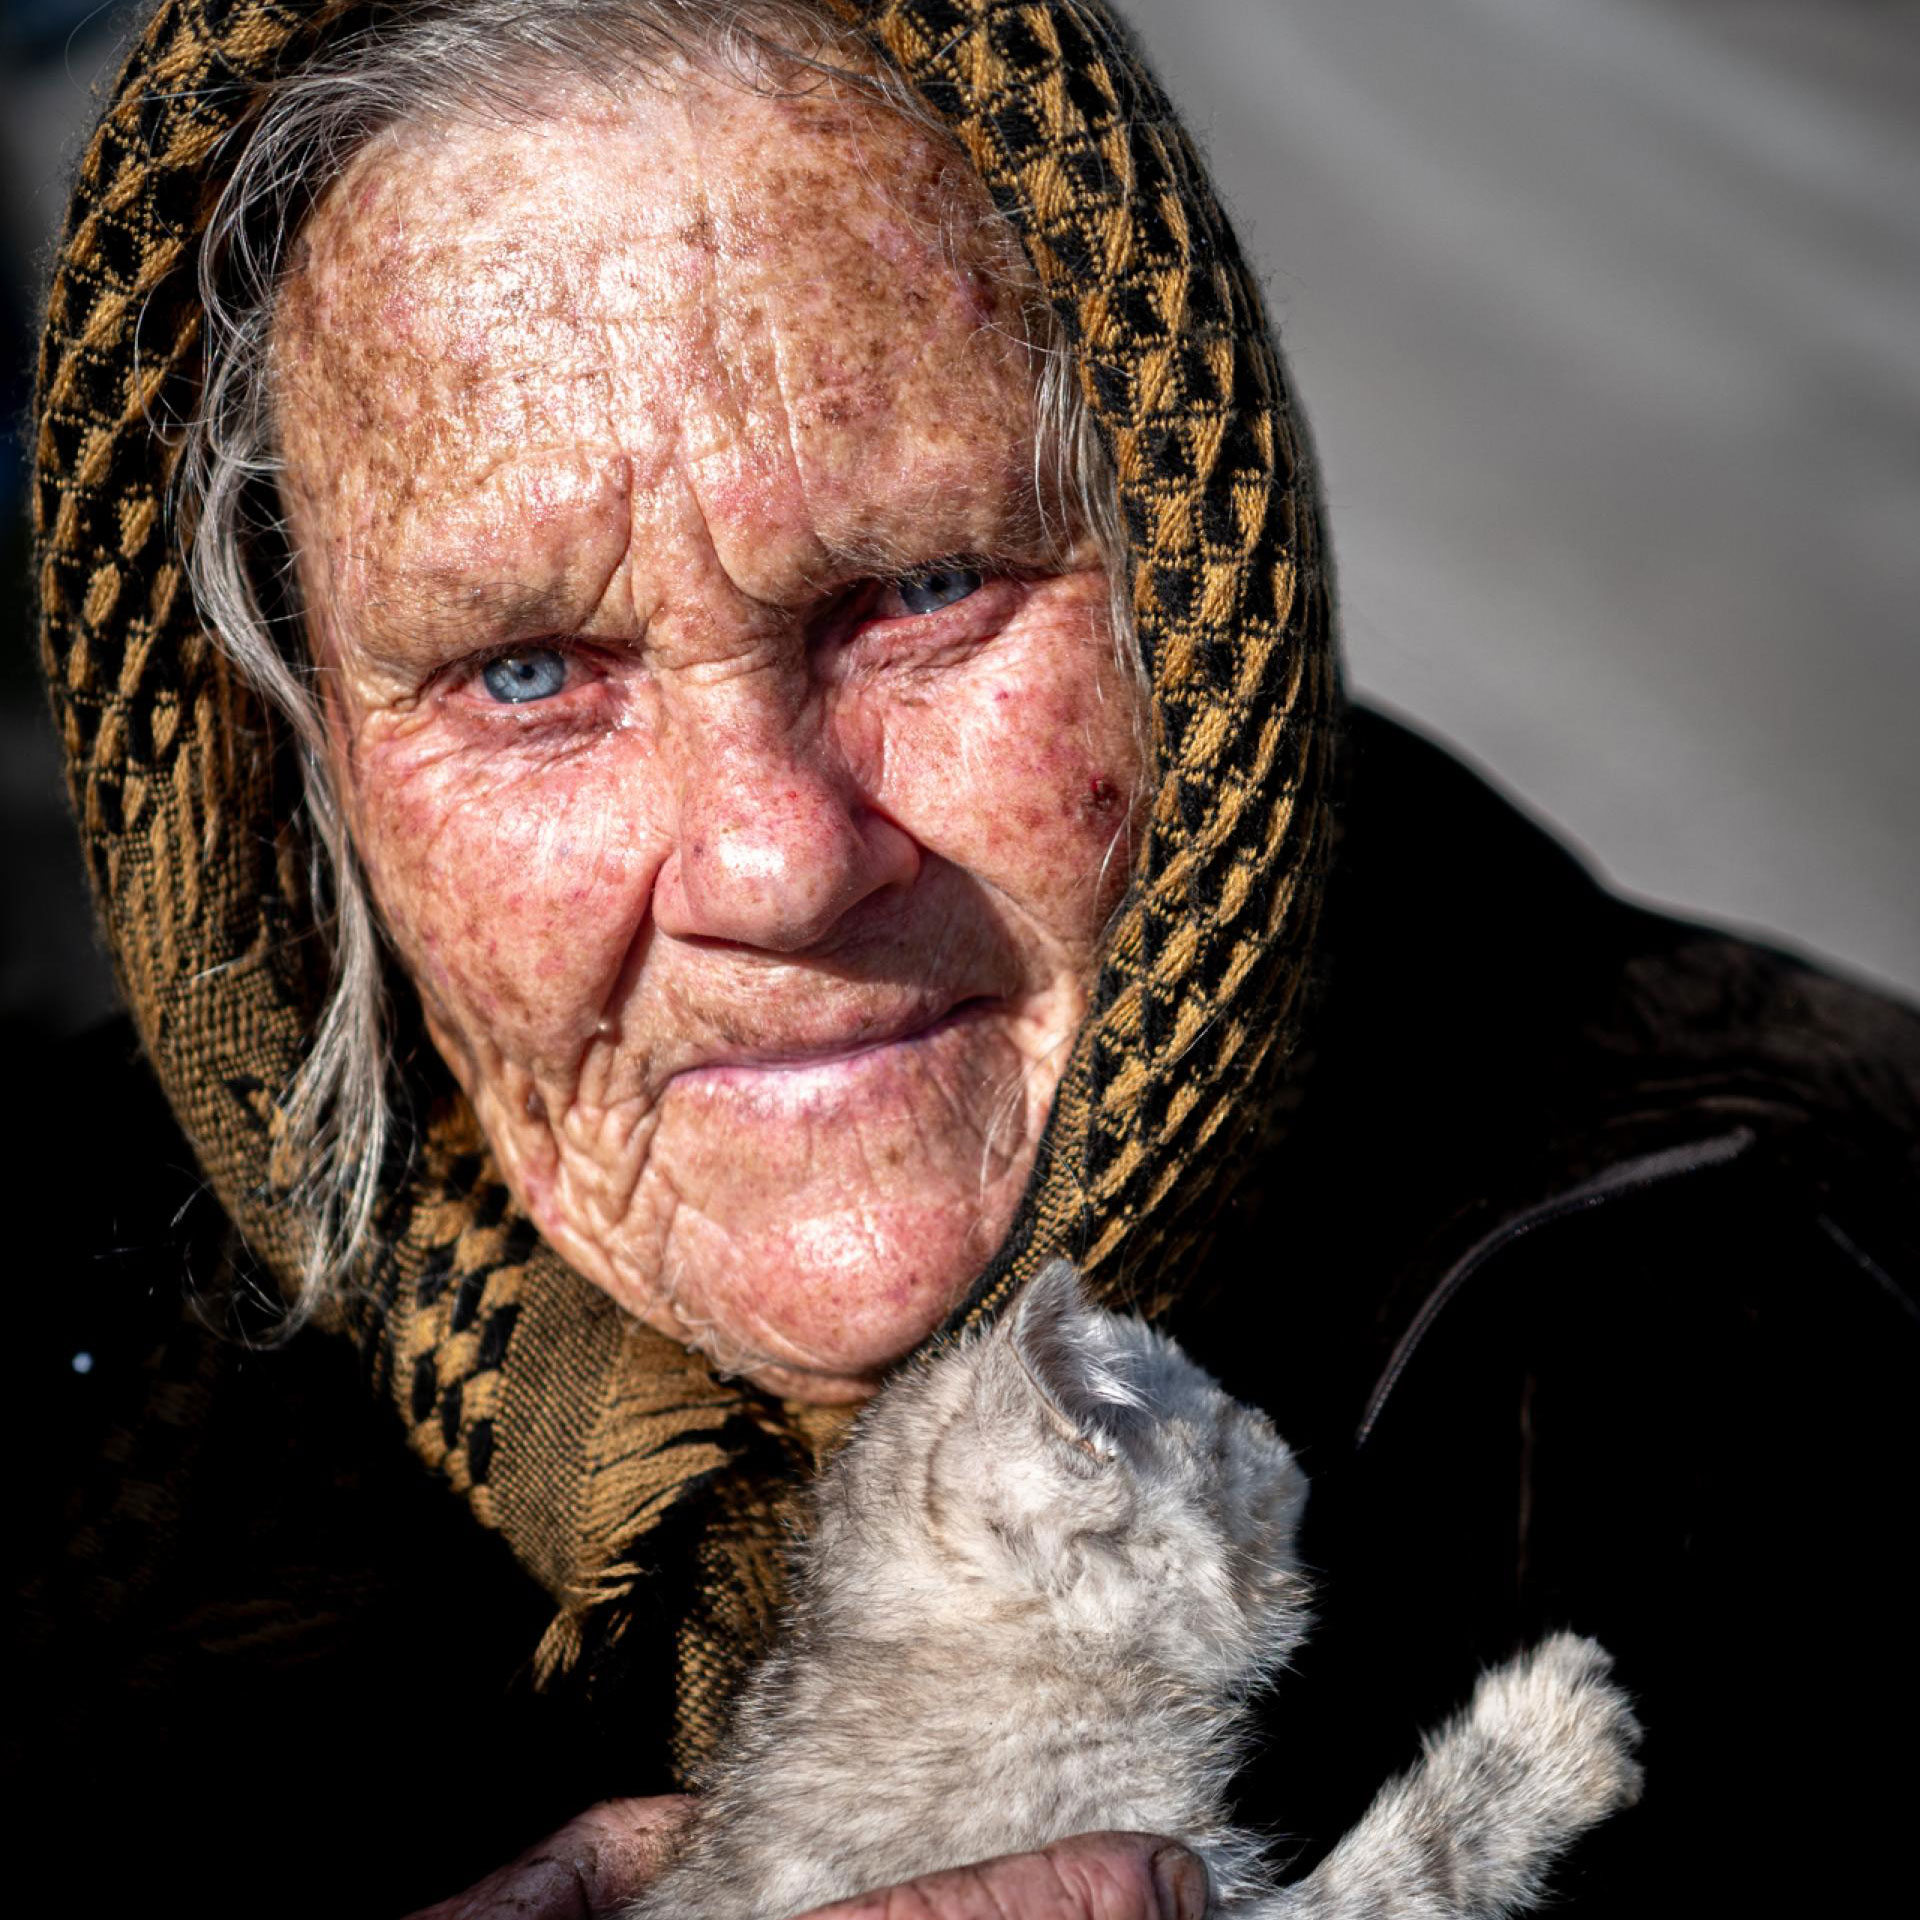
<point x="832" y="1065"/>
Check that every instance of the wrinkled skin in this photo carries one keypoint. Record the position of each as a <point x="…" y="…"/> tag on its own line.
<point x="758" y="936"/>
<point x="596" y="1864"/>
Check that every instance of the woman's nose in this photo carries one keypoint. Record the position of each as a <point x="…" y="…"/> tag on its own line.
<point x="774" y="843"/>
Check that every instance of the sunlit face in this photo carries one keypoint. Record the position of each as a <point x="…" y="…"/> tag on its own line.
<point x="743" y="773"/>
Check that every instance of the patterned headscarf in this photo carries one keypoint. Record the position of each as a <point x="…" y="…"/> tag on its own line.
<point x="627" y="1479"/>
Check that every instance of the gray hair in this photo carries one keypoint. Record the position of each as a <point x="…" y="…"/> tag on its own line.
<point x="432" y="59"/>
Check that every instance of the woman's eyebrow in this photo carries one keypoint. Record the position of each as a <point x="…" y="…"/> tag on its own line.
<point x="881" y="558"/>
<point x="427" y="608"/>
<point x="879" y="551"/>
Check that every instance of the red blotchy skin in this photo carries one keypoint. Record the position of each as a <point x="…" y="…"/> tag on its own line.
<point x="759" y="937"/>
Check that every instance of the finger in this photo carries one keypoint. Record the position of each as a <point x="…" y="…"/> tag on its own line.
<point x="527" y="1890"/>
<point x="618" y="1846"/>
<point x="1094" y="1876"/>
<point x="590" y="1867"/>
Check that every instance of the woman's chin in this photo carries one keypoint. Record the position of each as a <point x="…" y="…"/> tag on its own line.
<point x="820" y="1309"/>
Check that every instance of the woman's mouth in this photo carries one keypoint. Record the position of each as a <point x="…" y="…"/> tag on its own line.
<point x="799" y="1075"/>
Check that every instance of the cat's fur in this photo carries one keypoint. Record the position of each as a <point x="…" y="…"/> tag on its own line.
<point x="1046" y="1576"/>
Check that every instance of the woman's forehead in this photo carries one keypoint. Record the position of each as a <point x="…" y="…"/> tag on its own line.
<point x="792" y="295"/>
<point x="706" y="173"/>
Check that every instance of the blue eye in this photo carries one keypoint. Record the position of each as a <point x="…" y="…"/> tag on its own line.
<point x="935" y="587"/>
<point x="537" y="674"/>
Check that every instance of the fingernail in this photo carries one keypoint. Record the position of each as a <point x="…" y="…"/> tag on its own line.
<point x="1181" y="1882"/>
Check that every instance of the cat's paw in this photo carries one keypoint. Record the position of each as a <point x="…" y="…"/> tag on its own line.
<point x="1558" y="1709"/>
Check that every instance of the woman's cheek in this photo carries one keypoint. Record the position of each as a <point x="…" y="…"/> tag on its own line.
<point x="479" y="858"/>
<point x="1024" y="773"/>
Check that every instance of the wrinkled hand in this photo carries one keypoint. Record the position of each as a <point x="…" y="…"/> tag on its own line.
<point x="606" y="1857"/>
<point x="592" y="1866"/>
<point x="1093" y="1876"/>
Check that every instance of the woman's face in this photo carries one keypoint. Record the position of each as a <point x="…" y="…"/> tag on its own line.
<point x="742" y="772"/>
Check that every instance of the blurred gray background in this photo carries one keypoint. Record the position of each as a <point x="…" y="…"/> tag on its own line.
<point x="1606" y="314"/>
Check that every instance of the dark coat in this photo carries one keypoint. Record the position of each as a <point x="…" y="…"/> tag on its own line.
<point x="1587" y="1286"/>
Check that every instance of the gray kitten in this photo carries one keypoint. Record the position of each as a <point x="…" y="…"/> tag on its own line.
<point x="1047" y="1575"/>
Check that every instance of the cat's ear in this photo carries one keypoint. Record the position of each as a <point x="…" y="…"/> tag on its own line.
<point x="1078" y="1371"/>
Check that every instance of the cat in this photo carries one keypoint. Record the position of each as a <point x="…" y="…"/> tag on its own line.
<point x="1046" y="1577"/>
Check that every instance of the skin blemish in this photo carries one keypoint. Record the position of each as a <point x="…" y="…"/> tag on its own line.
<point x="1103" y="797"/>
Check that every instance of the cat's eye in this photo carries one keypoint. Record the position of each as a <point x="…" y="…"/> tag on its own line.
<point x="534" y="673"/>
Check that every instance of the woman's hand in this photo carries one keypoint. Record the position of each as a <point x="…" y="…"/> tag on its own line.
<point x="1093" y="1876"/>
<point x="592" y="1866"/>
<point x="606" y="1857"/>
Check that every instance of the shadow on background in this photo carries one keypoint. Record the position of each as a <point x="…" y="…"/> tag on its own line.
<point x="1606" y="314"/>
<point x="54" y="977"/>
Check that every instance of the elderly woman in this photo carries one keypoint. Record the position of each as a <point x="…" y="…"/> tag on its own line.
<point x="696" y="663"/>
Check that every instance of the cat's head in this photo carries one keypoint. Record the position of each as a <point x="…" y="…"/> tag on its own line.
<point x="1075" y="1461"/>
